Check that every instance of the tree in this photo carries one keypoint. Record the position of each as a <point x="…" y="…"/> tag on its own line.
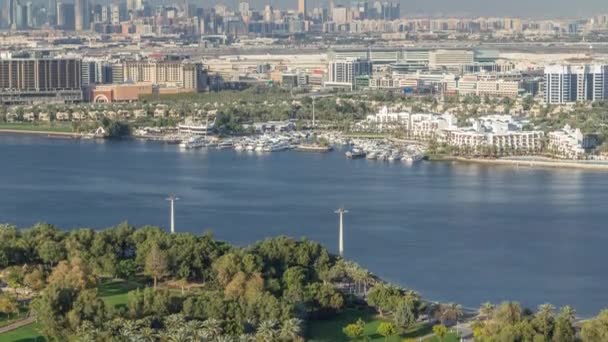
<point x="405" y="313"/>
<point x="564" y="329"/>
<point x="448" y="312"/>
<point x="266" y="331"/>
<point x="156" y="263"/>
<point x="386" y="329"/>
<point x="440" y="331"/>
<point x="383" y="297"/>
<point x="126" y="269"/>
<point x="486" y="310"/>
<point x="8" y="304"/>
<point x="354" y="331"/>
<point x="35" y="279"/>
<point x="72" y="274"/>
<point x="596" y="329"/>
<point x="51" y="252"/>
<point x="544" y="320"/>
<point x="291" y="329"/>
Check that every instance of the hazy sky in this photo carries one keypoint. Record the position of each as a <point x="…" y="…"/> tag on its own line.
<point x="529" y="8"/>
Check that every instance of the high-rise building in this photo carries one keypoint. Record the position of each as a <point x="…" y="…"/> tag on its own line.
<point x="302" y="10"/>
<point x="65" y="16"/>
<point x="51" y="12"/>
<point x="345" y="71"/>
<point x="82" y="19"/>
<point x="29" y="14"/>
<point x="575" y="83"/>
<point x="39" y="79"/>
<point x="19" y="17"/>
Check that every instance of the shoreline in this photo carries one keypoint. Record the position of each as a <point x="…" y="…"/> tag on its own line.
<point x="532" y="163"/>
<point x="33" y="132"/>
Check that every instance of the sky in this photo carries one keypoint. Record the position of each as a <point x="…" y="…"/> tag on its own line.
<point x="523" y="8"/>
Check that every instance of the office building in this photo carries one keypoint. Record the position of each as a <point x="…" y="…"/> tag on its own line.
<point x="343" y="72"/>
<point x="65" y="16"/>
<point x="575" y="83"/>
<point x="450" y="58"/>
<point x="82" y="19"/>
<point x="302" y="11"/>
<point x="40" y="80"/>
<point x="51" y="12"/>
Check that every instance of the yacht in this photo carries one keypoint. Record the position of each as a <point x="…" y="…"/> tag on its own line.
<point x="225" y="144"/>
<point x="394" y="156"/>
<point x="278" y="146"/>
<point x="355" y="153"/>
<point x="372" y="155"/>
<point x="193" y="142"/>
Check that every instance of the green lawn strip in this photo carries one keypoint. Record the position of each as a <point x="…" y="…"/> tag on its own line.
<point x="66" y="128"/>
<point x="28" y="333"/>
<point x="330" y="330"/>
<point x="115" y="292"/>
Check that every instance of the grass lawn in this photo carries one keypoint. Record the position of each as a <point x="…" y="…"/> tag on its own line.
<point x="113" y="292"/>
<point x="330" y="330"/>
<point x="49" y="127"/>
<point x="28" y="333"/>
<point x="6" y="320"/>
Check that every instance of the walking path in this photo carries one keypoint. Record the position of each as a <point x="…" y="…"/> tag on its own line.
<point x="16" y="325"/>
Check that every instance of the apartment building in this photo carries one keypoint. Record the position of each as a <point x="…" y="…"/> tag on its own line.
<point x="575" y="83"/>
<point x="40" y="79"/>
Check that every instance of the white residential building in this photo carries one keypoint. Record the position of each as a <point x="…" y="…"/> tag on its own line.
<point x="571" y="143"/>
<point x="501" y="132"/>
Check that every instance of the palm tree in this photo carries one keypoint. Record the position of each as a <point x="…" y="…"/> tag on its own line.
<point x="147" y="334"/>
<point x="212" y="328"/>
<point x="174" y="321"/>
<point x="245" y="338"/>
<point x="448" y="312"/>
<point x="291" y="329"/>
<point x="486" y="310"/>
<point x="180" y="334"/>
<point x="196" y="330"/>
<point x="266" y="331"/>
<point x="224" y="338"/>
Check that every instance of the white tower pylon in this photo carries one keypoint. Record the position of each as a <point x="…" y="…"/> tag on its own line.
<point x="172" y="198"/>
<point x="341" y="212"/>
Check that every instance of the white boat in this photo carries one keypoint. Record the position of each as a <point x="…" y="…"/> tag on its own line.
<point x="355" y="153"/>
<point x="394" y="156"/>
<point x="193" y="142"/>
<point x="239" y="147"/>
<point x="279" y="146"/>
<point x="250" y="147"/>
<point x="225" y="144"/>
<point x="371" y="155"/>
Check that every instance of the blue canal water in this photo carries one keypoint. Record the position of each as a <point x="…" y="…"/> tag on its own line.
<point x="456" y="232"/>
